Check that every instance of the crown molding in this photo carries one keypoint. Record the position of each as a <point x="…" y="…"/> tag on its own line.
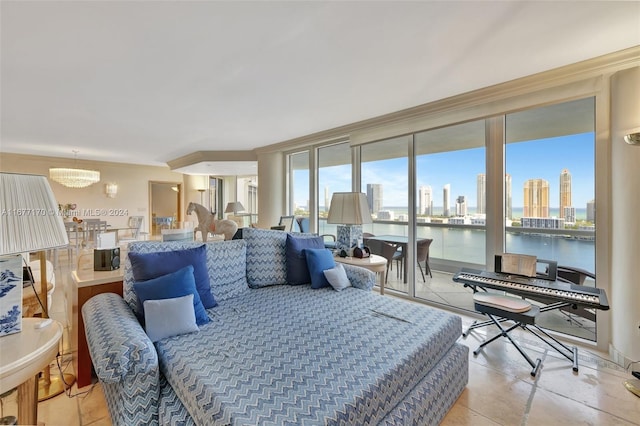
<point x="212" y="156"/>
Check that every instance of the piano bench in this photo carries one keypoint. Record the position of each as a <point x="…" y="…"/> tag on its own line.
<point x="513" y="308"/>
<point x="501" y="308"/>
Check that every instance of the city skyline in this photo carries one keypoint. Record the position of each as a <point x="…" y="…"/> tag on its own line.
<point x="543" y="159"/>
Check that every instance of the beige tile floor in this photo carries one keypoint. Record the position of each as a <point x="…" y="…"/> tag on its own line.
<point x="500" y="390"/>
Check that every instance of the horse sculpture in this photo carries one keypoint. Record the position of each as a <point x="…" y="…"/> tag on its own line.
<point x="207" y="222"/>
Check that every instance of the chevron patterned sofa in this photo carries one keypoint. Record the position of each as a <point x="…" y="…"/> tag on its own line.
<point x="277" y="354"/>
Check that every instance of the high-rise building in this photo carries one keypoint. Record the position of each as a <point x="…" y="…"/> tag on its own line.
<point x="569" y="214"/>
<point x="461" y="206"/>
<point x="481" y="183"/>
<point x="565" y="191"/>
<point x="591" y="211"/>
<point x="374" y="197"/>
<point x="446" y="204"/>
<point x="507" y="196"/>
<point x="425" y="200"/>
<point x="536" y="198"/>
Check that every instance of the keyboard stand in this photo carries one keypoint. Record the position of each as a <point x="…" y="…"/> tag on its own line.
<point x="525" y="320"/>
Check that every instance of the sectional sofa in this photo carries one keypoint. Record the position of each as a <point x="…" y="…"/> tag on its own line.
<point x="270" y="353"/>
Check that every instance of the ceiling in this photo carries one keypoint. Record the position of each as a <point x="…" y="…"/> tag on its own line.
<point x="147" y="82"/>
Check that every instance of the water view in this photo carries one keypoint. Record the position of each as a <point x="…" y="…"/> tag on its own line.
<point x="468" y="245"/>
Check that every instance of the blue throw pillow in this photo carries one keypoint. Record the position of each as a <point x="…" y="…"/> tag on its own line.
<point x="318" y="261"/>
<point x="175" y="284"/>
<point x="151" y="265"/>
<point x="297" y="269"/>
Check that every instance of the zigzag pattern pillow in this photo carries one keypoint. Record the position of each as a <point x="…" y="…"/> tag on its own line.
<point x="267" y="256"/>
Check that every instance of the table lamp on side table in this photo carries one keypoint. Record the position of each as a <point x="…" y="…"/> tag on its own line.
<point x="30" y="222"/>
<point x="350" y="210"/>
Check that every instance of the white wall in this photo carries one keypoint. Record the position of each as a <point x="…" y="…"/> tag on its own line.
<point x="133" y="185"/>
<point x="625" y="224"/>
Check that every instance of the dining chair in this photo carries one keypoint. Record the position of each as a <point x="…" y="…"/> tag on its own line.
<point x="73" y="233"/>
<point x="91" y="228"/>
<point x="135" y="229"/>
<point x="388" y="251"/>
<point x="422" y="255"/>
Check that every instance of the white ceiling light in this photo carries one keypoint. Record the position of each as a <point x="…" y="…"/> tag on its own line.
<point x="74" y="178"/>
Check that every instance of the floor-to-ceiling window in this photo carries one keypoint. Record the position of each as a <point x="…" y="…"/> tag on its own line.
<point x="453" y="176"/>
<point x="298" y="178"/>
<point x="385" y="180"/>
<point x="334" y="175"/>
<point x="451" y="205"/>
<point x="550" y="165"/>
<point x="216" y="196"/>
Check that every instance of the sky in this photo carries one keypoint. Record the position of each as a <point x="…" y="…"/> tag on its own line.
<point x="543" y="158"/>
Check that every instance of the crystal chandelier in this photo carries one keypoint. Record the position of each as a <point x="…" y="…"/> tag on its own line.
<point x="74" y="178"/>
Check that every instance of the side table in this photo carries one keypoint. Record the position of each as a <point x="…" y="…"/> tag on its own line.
<point x="88" y="283"/>
<point x="22" y="356"/>
<point x="374" y="263"/>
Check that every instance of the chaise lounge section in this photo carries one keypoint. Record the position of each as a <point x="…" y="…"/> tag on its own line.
<point x="274" y="353"/>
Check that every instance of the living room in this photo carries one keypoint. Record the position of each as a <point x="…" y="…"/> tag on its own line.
<point x="599" y="73"/>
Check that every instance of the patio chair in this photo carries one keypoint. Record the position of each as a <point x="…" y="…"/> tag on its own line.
<point x="422" y="255"/>
<point x="329" y="239"/>
<point x="388" y="251"/>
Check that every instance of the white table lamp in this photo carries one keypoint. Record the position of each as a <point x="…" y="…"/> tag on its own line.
<point x="350" y="210"/>
<point x="29" y="222"/>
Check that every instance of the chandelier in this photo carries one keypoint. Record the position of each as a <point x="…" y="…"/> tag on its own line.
<point x="74" y="178"/>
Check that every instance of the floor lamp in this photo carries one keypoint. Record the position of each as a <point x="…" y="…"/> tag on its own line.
<point x="31" y="222"/>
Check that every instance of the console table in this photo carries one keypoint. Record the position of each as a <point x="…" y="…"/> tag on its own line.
<point x="22" y="356"/>
<point x="88" y="283"/>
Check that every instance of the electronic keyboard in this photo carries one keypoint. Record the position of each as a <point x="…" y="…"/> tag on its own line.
<point x="535" y="287"/>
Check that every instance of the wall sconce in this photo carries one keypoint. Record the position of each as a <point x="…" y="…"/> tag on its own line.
<point x="632" y="138"/>
<point x="111" y="189"/>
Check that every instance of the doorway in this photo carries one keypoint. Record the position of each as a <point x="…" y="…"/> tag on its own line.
<point x="164" y="202"/>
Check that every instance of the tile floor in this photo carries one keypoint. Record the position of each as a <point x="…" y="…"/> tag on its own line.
<point x="500" y="390"/>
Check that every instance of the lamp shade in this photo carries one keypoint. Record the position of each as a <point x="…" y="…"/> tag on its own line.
<point x="30" y="220"/>
<point x="349" y="208"/>
<point x="234" y="207"/>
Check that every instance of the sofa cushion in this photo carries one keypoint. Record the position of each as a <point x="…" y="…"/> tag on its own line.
<point x="266" y="259"/>
<point x="227" y="266"/>
<point x="318" y="261"/>
<point x="151" y="265"/>
<point x="297" y="269"/>
<point x="175" y="284"/>
<point x="169" y="317"/>
<point x="266" y="256"/>
<point x="337" y="277"/>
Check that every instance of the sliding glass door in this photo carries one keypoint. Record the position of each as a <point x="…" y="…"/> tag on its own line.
<point x="550" y="161"/>
<point x="451" y="207"/>
<point x="334" y="175"/>
<point x="384" y="169"/>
